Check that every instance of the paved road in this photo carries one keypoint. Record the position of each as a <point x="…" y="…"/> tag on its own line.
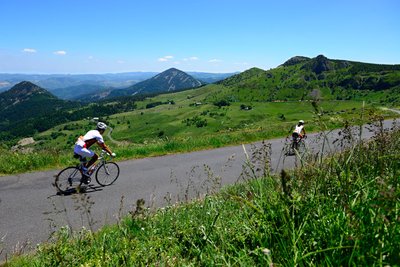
<point x="30" y="209"/>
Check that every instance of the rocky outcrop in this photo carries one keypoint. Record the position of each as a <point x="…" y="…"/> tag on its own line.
<point x="321" y="64"/>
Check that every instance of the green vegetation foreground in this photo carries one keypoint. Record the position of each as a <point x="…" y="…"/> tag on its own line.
<point x="342" y="212"/>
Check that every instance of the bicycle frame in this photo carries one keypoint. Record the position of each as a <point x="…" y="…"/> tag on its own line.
<point x="99" y="162"/>
<point x="294" y="144"/>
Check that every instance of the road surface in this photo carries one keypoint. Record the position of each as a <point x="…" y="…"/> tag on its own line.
<point x="30" y="209"/>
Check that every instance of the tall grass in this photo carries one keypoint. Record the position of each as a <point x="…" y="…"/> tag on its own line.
<point x="16" y="162"/>
<point x="343" y="211"/>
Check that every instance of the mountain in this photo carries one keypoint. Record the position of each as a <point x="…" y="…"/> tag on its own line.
<point x="23" y="92"/>
<point x="168" y="81"/>
<point x="307" y="78"/>
<point x="27" y="108"/>
<point x="295" y="60"/>
<point x="246" y="76"/>
<point x="21" y="98"/>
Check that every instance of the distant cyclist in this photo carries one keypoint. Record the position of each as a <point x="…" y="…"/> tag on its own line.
<point x="83" y="144"/>
<point x="298" y="133"/>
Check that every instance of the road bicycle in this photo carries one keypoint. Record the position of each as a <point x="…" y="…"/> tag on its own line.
<point x="296" y="145"/>
<point x="71" y="178"/>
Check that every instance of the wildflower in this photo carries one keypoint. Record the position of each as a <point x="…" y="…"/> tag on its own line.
<point x="266" y="251"/>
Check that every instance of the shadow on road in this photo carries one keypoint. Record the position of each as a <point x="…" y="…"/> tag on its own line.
<point x="83" y="190"/>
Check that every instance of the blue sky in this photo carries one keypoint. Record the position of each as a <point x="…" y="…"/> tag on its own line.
<point x="104" y="36"/>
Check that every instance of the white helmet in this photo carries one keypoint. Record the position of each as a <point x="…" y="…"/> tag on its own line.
<point x="101" y="126"/>
<point x="301" y="122"/>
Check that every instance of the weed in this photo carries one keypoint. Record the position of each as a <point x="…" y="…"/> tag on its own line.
<point x="83" y="203"/>
<point x="140" y="209"/>
<point x="258" y="163"/>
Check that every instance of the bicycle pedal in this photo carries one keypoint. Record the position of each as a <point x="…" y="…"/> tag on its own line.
<point x="86" y="179"/>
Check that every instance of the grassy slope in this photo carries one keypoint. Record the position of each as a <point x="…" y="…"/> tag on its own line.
<point x="343" y="212"/>
<point x="162" y="130"/>
<point x="167" y="121"/>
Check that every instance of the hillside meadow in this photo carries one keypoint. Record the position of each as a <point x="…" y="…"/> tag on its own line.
<point x="188" y="121"/>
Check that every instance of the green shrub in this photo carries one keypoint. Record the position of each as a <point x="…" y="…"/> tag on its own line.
<point x="222" y="103"/>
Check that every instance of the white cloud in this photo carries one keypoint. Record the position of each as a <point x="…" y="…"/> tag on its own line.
<point x="120" y="61"/>
<point x="29" y="50"/>
<point x="165" y="59"/>
<point x="215" y="60"/>
<point x="60" y="53"/>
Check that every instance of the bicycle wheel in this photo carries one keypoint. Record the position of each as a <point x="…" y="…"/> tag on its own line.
<point x="107" y="173"/>
<point x="301" y="148"/>
<point x="288" y="150"/>
<point x="68" y="179"/>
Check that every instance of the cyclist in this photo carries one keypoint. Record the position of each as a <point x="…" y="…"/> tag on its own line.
<point x="298" y="133"/>
<point x="83" y="144"/>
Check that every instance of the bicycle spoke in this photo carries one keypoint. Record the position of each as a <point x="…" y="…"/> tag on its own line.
<point x="68" y="179"/>
<point x="107" y="173"/>
<point x="106" y="170"/>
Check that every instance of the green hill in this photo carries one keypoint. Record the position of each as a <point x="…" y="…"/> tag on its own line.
<point x="23" y="93"/>
<point x="320" y="77"/>
<point x="27" y="108"/>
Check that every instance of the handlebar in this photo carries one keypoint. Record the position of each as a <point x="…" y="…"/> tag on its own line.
<point x="104" y="153"/>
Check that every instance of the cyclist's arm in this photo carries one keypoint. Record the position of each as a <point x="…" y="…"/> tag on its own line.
<point x="105" y="147"/>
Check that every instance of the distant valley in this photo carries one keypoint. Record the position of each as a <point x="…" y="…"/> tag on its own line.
<point x="73" y="86"/>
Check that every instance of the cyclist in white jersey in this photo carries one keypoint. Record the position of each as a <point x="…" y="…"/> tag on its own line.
<point x="83" y="144"/>
<point x="298" y="131"/>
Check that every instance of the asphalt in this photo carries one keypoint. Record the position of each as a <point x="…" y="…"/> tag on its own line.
<point x="31" y="210"/>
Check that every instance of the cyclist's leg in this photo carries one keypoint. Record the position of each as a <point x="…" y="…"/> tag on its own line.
<point x="80" y="151"/>
<point x="86" y="153"/>
<point x="294" y="140"/>
<point x="92" y="160"/>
